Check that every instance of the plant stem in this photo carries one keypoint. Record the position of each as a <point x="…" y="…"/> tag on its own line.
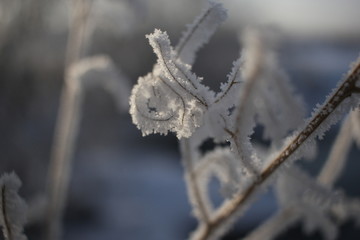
<point x="63" y="148"/>
<point x="196" y="198"/>
<point x="337" y="157"/>
<point x="67" y="124"/>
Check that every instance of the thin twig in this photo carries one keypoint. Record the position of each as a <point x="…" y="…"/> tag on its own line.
<point x="252" y="72"/>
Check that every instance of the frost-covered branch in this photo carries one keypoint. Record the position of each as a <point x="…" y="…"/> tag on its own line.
<point x="315" y="191"/>
<point x="173" y="99"/>
<point x="199" y="32"/>
<point x="196" y="192"/>
<point x="342" y="99"/>
<point x="265" y="96"/>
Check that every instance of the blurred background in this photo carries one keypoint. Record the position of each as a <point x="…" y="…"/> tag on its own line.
<point x="123" y="185"/>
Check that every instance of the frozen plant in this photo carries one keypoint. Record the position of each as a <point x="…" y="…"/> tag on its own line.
<point x="257" y="92"/>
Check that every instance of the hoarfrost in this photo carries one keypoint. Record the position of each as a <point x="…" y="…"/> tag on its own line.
<point x="257" y="91"/>
<point x="170" y="98"/>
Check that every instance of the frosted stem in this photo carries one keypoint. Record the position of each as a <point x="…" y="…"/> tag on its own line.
<point x="233" y="81"/>
<point x="199" y="32"/>
<point x="195" y="196"/>
<point x="77" y="30"/>
<point x="336" y="160"/>
<point x="62" y="153"/>
<point x="67" y="123"/>
<point x="225" y="213"/>
<point x="252" y="69"/>
<point x="97" y="70"/>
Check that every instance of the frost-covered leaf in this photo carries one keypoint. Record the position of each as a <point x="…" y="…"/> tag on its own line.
<point x="13" y="208"/>
<point x="157" y="108"/>
<point x="171" y="98"/>
<point x="177" y="74"/>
